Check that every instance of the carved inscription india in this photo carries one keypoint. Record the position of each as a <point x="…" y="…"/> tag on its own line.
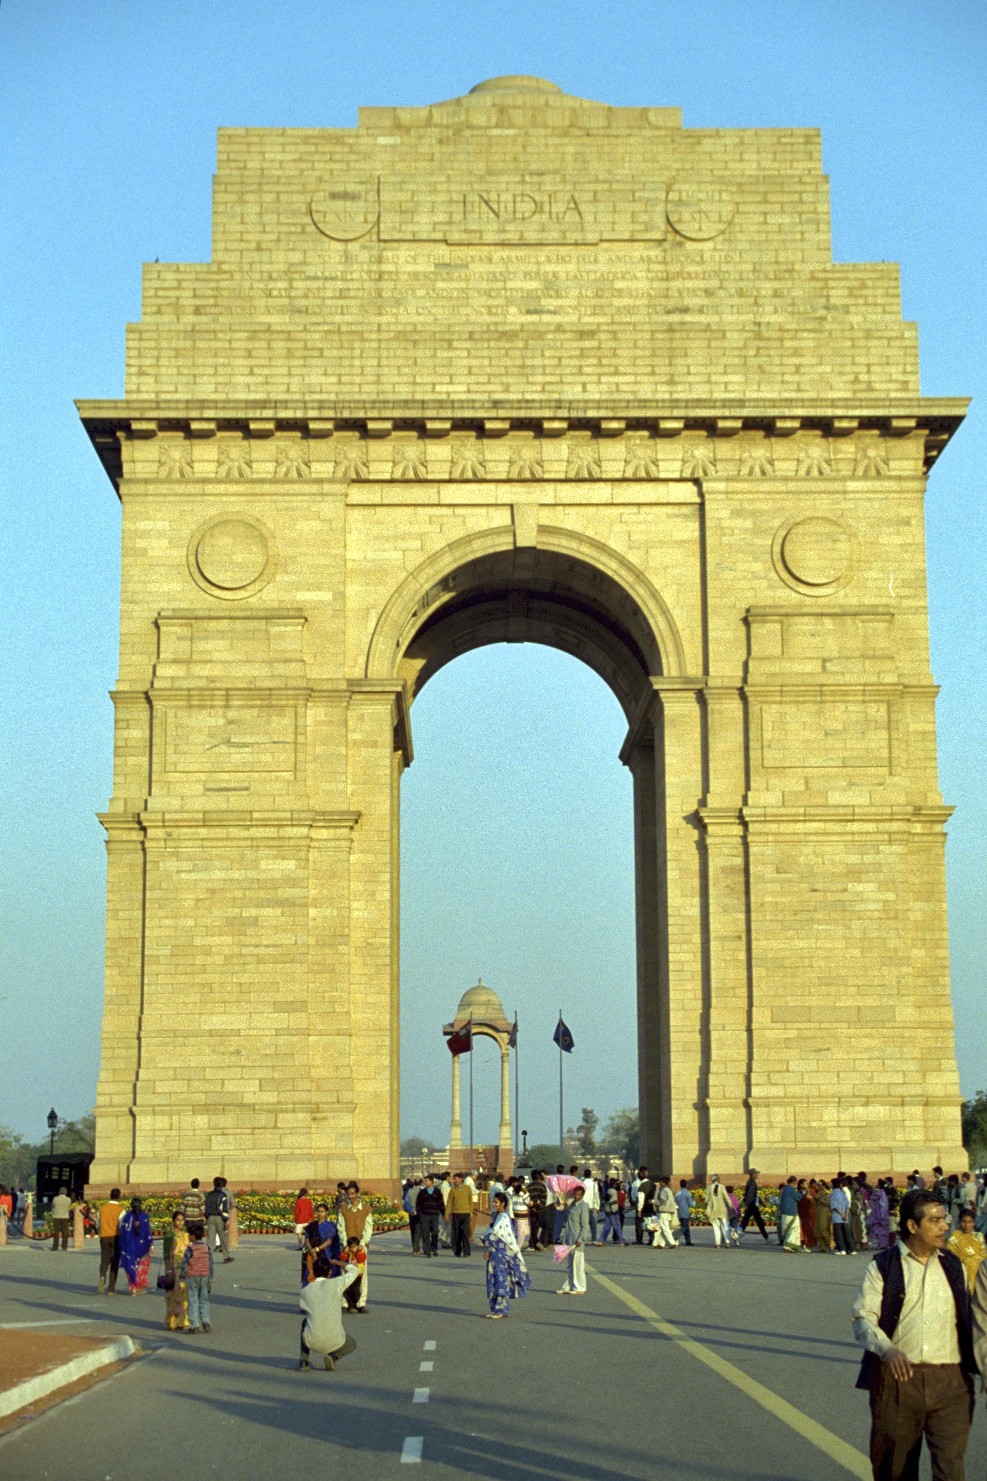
<point x="523" y="209"/>
<point x="511" y="207"/>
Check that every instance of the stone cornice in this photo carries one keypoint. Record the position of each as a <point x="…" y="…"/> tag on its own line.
<point x="108" y="421"/>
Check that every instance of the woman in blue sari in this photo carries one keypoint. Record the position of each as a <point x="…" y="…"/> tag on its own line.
<point x="879" y="1217"/>
<point x="507" y="1277"/>
<point x="321" y="1241"/>
<point x="135" y="1239"/>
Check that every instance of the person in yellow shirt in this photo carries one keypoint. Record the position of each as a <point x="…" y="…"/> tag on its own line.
<point x="968" y="1245"/>
<point x="109" y="1244"/>
<point x="459" y="1210"/>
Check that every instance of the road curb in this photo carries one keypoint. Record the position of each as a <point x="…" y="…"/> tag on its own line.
<point x="43" y="1384"/>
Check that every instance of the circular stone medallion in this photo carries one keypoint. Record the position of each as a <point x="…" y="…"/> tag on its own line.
<point x="813" y="554"/>
<point x="346" y="212"/>
<point x="699" y="212"/>
<point x="231" y="557"/>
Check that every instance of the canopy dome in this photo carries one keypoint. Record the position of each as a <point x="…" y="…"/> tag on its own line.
<point x="481" y="1004"/>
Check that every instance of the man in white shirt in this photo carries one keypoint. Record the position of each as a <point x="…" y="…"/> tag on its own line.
<point x="445" y="1229"/>
<point x="321" y="1302"/>
<point x="913" y="1318"/>
<point x="592" y="1201"/>
<point x="61" y="1213"/>
<point x="665" y="1210"/>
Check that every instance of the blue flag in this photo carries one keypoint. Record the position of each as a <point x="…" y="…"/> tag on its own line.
<point x="563" y="1037"/>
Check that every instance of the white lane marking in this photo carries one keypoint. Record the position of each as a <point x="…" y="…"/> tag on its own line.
<point x="420" y="1396"/>
<point x="425" y="1367"/>
<point x="411" y="1450"/>
<point x="428" y="1346"/>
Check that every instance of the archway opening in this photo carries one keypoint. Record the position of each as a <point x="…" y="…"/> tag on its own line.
<point x="517" y="866"/>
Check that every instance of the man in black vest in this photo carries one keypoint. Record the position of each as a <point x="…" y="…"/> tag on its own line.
<point x="913" y="1317"/>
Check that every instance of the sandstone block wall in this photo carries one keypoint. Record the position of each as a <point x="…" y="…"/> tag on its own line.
<point x="522" y="367"/>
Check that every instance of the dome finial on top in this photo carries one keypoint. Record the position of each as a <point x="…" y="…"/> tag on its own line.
<point x="516" y="84"/>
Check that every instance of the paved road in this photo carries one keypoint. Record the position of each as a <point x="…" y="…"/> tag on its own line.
<point x="725" y="1366"/>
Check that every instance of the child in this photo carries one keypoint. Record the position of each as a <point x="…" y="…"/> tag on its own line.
<point x="196" y="1272"/>
<point x="353" y="1255"/>
<point x="734" y="1216"/>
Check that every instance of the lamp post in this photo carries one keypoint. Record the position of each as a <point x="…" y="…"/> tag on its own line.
<point x="424" y="1157"/>
<point x="524" y="1161"/>
<point x="52" y="1124"/>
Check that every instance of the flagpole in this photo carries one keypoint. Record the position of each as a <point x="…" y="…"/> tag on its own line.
<point x="561" y="1120"/>
<point x="517" y="1114"/>
<point x="471" y="1092"/>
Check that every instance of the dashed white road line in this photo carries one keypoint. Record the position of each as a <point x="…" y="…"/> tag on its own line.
<point x="411" y="1451"/>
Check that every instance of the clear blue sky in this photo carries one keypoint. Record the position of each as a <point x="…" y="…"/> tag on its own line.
<point x="108" y="118"/>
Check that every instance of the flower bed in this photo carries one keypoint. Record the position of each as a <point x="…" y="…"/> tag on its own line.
<point x="256" y="1213"/>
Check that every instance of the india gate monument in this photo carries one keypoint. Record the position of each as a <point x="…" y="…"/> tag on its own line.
<point x="524" y="368"/>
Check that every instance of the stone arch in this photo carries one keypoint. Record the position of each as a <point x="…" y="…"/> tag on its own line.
<point x="576" y="594"/>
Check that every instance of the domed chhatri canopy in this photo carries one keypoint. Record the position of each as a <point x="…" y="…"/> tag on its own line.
<point x="483" y="1006"/>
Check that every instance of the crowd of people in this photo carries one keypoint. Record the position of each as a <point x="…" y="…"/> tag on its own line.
<point x="921" y="1314"/>
<point x="334" y="1277"/>
<point x="841" y="1215"/>
<point x="199" y="1227"/>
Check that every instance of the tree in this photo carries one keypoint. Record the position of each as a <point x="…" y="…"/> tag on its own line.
<point x="17" y="1159"/>
<point x="586" y="1131"/>
<point x="544" y="1155"/>
<point x="76" y="1136"/>
<point x="411" y="1146"/>
<point x="622" y="1136"/>
<point x="974" y="1115"/>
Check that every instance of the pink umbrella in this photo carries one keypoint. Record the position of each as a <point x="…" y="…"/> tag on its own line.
<point x="562" y="1183"/>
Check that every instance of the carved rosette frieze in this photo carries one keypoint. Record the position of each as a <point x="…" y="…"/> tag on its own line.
<point x="292" y="460"/>
<point x="233" y="459"/>
<point x="409" y="461"/>
<point x="525" y="459"/>
<point x="871" y="461"/>
<point x="583" y="459"/>
<point x="467" y="459"/>
<point x="698" y="460"/>
<point x="175" y="459"/>
<point x="814" y="460"/>
<point x="641" y="458"/>
<point x="423" y="448"/>
<point x="757" y="461"/>
<point x="352" y="460"/>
